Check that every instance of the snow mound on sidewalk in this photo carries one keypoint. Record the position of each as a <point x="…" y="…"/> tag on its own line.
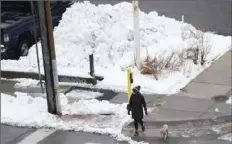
<point x="107" y="31"/>
<point x="229" y="101"/>
<point x="24" y="110"/>
<point x="84" y="94"/>
<point x="226" y="137"/>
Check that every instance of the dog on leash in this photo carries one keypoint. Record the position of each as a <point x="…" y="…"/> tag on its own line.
<point x="164" y="131"/>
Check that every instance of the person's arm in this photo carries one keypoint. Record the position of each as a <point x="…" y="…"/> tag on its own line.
<point x="144" y="104"/>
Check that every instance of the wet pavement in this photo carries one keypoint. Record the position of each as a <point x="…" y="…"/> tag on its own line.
<point x="13" y="135"/>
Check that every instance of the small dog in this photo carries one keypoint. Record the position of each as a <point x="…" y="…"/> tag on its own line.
<point x="164" y="131"/>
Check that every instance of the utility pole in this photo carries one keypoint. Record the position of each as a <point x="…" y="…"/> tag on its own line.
<point x="136" y="33"/>
<point x="49" y="57"/>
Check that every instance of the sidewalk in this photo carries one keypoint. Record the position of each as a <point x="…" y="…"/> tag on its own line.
<point x="194" y="106"/>
<point x="214" y="81"/>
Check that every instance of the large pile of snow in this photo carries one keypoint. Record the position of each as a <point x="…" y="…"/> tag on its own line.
<point x="24" y="110"/>
<point x="107" y="31"/>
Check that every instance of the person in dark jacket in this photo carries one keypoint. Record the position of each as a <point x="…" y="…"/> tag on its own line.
<point x="136" y="104"/>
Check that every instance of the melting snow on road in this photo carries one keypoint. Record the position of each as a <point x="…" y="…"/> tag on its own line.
<point x="84" y="115"/>
<point x="107" y="31"/>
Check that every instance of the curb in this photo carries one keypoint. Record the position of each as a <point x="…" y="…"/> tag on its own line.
<point x="33" y="75"/>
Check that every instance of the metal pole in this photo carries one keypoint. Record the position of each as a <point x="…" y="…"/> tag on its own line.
<point x="182" y="18"/>
<point x="36" y="45"/>
<point x="91" y="65"/>
<point x="136" y="33"/>
<point x="49" y="57"/>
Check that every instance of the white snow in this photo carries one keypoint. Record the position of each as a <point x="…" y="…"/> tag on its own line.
<point x="226" y="137"/>
<point x="107" y="31"/>
<point x="216" y="110"/>
<point x="24" y="83"/>
<point x="83" y="94"/>
<point x="83" y="115"/>
<point x="78" y="94"/>
<point x="229" y="101"/>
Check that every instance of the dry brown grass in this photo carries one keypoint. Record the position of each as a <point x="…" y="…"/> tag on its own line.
<point x="158" y="64"/>
<point x="227" y="127"/>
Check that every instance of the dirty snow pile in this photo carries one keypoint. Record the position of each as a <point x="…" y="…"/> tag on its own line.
<point x="84" y="115"/>
<point x="107" y="31"/>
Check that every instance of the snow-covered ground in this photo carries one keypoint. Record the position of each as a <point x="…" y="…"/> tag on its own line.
<point x="226" y="137"/>
<point x="84" y="115"/>
<point x="77" y="94"/>
<point x="24" y="83"/>
<point x="82" y="94"/>
<point x="229" y="101"/>
<point x="107" y="31"/>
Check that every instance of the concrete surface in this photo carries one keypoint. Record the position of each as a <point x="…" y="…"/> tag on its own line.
<point x="123" y="98"/>
<point x="12" y="135"/>
<point x="201" y="140"/>
<point x="65" y="137"/>
<point x="214" y="81"/>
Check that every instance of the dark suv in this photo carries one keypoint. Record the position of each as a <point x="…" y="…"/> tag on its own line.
<point x="19" y="24"/>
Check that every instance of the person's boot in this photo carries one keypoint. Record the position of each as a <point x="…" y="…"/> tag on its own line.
<point x="143" y="128"/>
<point x="136" y="133"/>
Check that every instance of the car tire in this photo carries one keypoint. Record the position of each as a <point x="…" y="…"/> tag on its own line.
<point x="23" y="48"/>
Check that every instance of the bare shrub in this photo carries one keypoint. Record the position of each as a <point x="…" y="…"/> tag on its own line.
<point x="205" y="50"/>
<point x="156" y="65"/>
<point x="182" y="56"/>
<point x="153" y="66"/>
<point x="201" y="47"/>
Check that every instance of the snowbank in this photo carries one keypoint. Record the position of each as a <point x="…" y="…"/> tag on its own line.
<point x="107" y="31"/>
<point x="229" y="101"/>
<point x="24" y="83"/>
<point x="226" y="137"/>
<point x="24" y="110"/>
<point x="77" y="94"/>
<point x="82" y="94"/>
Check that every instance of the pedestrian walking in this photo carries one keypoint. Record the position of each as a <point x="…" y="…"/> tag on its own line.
<point x="136" y="104"/>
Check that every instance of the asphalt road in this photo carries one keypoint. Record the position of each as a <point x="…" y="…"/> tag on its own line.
<point x="17" y="135"/>
<point x="207" y="15"/>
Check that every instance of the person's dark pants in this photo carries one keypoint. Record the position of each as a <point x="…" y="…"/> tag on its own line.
<point x="136" y="123"/>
